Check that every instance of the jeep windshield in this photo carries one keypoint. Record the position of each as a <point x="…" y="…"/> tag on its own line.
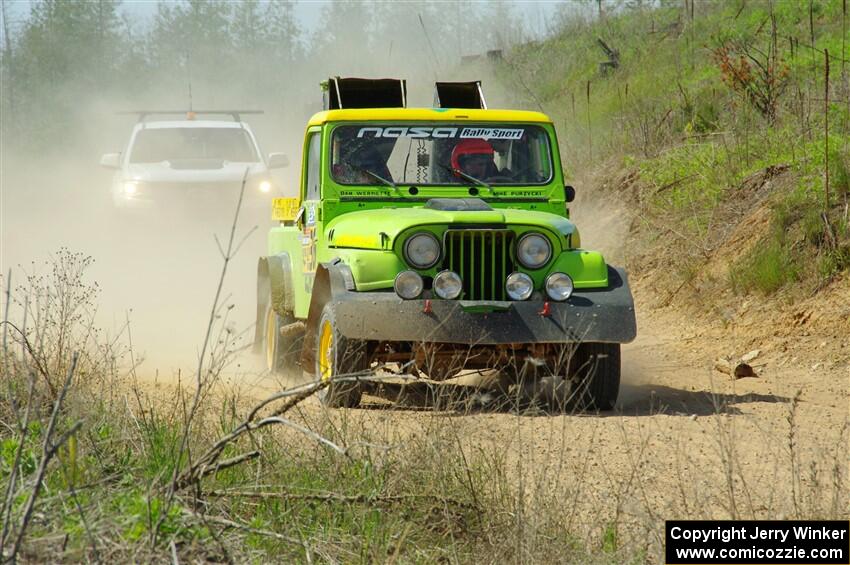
<point x="154" y="145"/>
<point x="441" y="154"/>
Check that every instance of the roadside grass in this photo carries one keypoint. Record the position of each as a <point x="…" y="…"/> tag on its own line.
<point x="406" y="487"/>
<point x="104" y="493"/>
<point x="704" y="155"/>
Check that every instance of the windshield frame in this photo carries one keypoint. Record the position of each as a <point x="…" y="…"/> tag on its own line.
<point x="545" y="131"/>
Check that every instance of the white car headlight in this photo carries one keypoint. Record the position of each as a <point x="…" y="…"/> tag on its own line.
<point x="559" y="286"/>
<point x="533" y="250"/>
<point x="408" y="285"/>
<point x="422" y="250"/>
<point x="130" y="188"/>
<point x="519" y="286"/>
<point x="265" y="186"/>
<point x="448" y="285"/>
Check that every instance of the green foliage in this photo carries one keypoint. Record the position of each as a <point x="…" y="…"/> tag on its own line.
<point x="839" y="171"/>
<point x="140" y="512"/>
<point x="609" y="539"/>
<point x="706" y="154"/>
<point x="769" y="266"/>
<point x="8" y="453"/>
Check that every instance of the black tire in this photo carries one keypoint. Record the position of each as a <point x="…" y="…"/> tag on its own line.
<point x="281" y="354"/>
<point x="597" y="375"/>
<point x="347" y="357"/>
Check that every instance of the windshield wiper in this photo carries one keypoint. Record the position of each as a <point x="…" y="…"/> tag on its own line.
<point x="378" y="177"/>
<point x="467" y="177"/>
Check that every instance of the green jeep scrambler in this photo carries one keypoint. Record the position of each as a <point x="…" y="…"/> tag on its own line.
<point x="436" y="239"/>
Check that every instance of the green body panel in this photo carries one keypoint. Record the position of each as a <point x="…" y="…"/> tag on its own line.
<point x="366" y="226"/>
<point x="286" y="239"/>
<point x="372" y="270"/>
<point x="363" y="230"/>
<point x="587" y="268"/>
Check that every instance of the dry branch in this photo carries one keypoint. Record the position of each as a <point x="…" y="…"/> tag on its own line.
<point x="206" y="463"/>
<point x="330" y="496"/>
<point x="48" y="451"/>
<point x="244" y="527"/>
<point x="199" y="376"/>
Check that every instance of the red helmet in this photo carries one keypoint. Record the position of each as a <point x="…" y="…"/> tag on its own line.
<point x="473" y="146"/>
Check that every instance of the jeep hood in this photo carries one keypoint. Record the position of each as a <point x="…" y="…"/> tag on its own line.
<point x="378" y="228"/>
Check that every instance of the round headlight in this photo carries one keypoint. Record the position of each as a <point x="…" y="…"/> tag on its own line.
<point x="533" y="250"/>
<point x="408" y="285"/>
<point x="519" y="286"/>
<point x="422" y="250"/>
<point x="448" y="285"/>
<point x="130" y="188"/>
<point x="559" y="286"/>
<point x="265" y="186"/>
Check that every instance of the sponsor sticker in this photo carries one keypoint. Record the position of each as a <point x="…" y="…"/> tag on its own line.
<point x="491" y="133"/>
<point x="284" y="209"/>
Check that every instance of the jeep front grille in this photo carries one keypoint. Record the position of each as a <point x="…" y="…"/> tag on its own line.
<point x="482" y="258"/>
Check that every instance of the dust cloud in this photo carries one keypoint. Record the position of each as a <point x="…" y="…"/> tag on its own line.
<point x="160" y="268"/>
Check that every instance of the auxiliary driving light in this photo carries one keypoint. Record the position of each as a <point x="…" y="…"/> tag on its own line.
<point x="130" y="188"/>
<point x="559" y="286"/>
<point x="265" y="186"/>
<point x="408" y="285"/>
<point x="448" y="285"/>
<point x="519" y="286"/>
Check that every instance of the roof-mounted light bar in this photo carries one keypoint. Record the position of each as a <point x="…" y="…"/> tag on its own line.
<point x="191" y="114"/>
<point x="459" y="95"/>
<point x="343" y="93"/>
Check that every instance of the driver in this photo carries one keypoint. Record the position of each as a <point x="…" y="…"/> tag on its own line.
<point x="356" y="160"/>
<point x="475" y="157"/>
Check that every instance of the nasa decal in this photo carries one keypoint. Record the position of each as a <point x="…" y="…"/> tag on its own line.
<point x="423" y="132"/>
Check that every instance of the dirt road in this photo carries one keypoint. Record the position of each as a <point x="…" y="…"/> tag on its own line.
<point x="684" y="440"/>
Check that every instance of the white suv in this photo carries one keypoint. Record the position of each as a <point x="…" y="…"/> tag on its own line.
<point x="190" y="160"/>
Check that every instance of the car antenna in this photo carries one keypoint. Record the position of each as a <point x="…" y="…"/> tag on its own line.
<point x="190" y="115"/>
<point x="430" y="46"/>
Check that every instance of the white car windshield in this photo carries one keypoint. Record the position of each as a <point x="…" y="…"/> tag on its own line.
<point x="444" y="154"/>
<point x="155" y="145"/>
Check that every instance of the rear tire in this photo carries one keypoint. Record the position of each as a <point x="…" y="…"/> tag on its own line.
<point x="338" y="356"/>
<point x="281" y="354"/>
<point x="597" y="375"/>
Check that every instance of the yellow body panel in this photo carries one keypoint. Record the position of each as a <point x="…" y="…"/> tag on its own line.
<point x="427" y="115"/>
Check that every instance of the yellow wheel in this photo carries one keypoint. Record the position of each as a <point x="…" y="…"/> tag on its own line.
<point x="338" y="356"/>
<point x="326" y="343"/>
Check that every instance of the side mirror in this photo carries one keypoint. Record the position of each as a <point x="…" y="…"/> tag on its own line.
<point x="111" y="160"/>
<point x="569" y="193"/>
<point x="278" y="160"/>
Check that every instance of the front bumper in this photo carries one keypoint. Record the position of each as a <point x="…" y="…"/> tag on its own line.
<point x="605" y="315"/>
